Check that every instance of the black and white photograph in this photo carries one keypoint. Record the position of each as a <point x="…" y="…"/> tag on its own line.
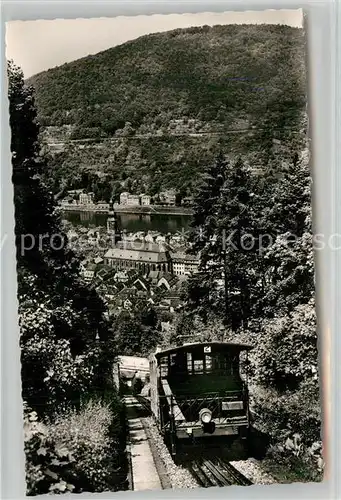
<point x="161" y="169"/>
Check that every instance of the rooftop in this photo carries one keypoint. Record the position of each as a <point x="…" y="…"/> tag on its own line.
<point x="191" y="345"/>
<point x="136" y="255"/>
<point x="185" y="257"/>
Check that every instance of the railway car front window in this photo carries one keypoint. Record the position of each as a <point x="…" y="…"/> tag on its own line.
<point x="198" y="366"/>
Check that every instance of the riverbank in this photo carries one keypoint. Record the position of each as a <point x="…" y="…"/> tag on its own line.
<point x="122" y="209"/>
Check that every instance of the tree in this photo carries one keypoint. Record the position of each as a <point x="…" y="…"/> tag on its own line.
<point x="288" y="263"/>
<point x="204" y="223"/>
<point x="136" y="335"/>
<point x="224" y="220"/>
<point x="287" y="355"/>
<point x="59" y="315"/>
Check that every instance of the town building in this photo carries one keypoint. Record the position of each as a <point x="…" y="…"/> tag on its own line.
<point x="167" y="198"/>
<point x="128" y="199"/>
<point x="127" y="304"/>
<point x="89" y="271"/>
<point x="76" y="192"/>
<point x="86" y="199"/>
<point x="102" y="205"/>
<point x="184" y="264"/>
<point x="141" y="284"/>
<point x="154" y="276"/>
<point x="187" y="201"/>
<point x="68" y="202"/>
<point x="93" y="237"/>
<point x="105" y="273"/>
<point x="139" y="256"/>
<point x="149" y="237"/>
<point x="167" y="281"/>
<point x="72" y="236"/>
<point x="121" y="276"/>
<point x="145" y="199"/>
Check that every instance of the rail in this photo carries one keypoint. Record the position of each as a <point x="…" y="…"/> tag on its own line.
<point x="218" y="473"/>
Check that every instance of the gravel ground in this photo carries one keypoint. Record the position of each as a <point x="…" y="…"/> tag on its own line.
<point x="181" y="478"/>
<point x="178" y="476"/>
<point x="252" y="469"/>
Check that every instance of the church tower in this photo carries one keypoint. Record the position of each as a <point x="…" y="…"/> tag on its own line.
<point x="112" y="224"/>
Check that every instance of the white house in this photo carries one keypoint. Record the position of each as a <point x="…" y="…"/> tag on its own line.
<point x="133" y="200"/>
<point x="124" y="198"/>
<point x="89" y="272"/>
<point x="86" y="198"/>
<point x="102" y="205"/>
<point x="145" y="199"/>
<point x="184" y="264"/>
<point x="129" y="199"/>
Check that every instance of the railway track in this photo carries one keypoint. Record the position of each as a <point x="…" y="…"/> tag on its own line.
<point x="144" y="403"/>
<point x="217" y="473"/>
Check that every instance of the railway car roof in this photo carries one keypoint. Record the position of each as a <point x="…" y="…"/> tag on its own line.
<point x="223" y="345"/>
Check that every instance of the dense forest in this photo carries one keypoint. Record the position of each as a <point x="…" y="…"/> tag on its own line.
<point x="161" y="106"/>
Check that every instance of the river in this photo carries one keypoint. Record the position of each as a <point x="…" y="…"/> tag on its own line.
<point x="132" y="222"/>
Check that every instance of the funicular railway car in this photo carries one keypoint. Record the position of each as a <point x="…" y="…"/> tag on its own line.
<point x="196" y="392"/>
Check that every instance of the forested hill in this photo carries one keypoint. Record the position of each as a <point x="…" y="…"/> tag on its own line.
<point x="194" y="81"/>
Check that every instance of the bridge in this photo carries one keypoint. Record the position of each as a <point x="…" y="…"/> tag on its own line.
<point x="129" y="366"/>
<point x="133" y="364"/>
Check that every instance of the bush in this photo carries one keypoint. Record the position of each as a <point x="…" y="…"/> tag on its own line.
<point x="79" y="451"/>
<point x="48" y="464"/>
<point x="282" y="415"/>
<point x="284" y="370"/>
<point x="293" y="422"/>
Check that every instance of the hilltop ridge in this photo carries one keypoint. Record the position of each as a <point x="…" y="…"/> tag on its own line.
<point x="166" y="102"/>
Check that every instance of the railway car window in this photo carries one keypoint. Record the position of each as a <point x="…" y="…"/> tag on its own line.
<point x="189" y="362"/>
<point x="164" y="367"/>
<point x="208" y="363"/>
<point x="164" y="371"/>
<point x="198" y="366"/>
<point x="222" y="363"/>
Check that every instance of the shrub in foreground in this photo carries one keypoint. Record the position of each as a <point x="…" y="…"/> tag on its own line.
<point x="79" y="451"/>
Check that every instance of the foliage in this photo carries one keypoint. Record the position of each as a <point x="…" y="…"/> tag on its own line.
<point x="224" y="221"/>
<point x="293" y="421"/>
<point x="176" y="72"/>
<point x="47" y="463"/>
<point x="288" y="352"/>
<point x="59" y="316"/>
<point x="263" y="291"/>
<point x="79" y="451"/>
<point x="93" y="435"/>
<point x="255" y="259"/>
<point x="137" y="332"/>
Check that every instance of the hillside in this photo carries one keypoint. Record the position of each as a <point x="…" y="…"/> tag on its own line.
<point x="162" y="105"/>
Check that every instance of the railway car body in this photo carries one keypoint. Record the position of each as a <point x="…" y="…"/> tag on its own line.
<point x="196" y="392"/>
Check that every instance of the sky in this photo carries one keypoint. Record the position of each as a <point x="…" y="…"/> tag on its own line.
<point x="43" y="44"/>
